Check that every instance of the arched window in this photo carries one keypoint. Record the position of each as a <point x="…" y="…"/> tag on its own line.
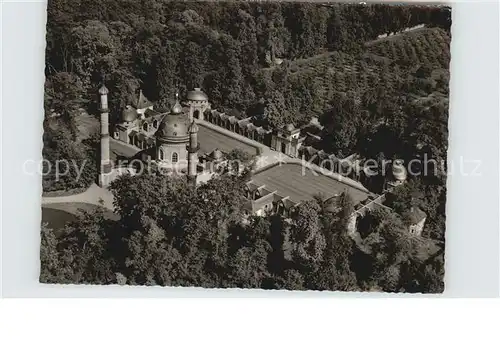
<point x="161" y="155"/>
<point x="175" y="157"/>
<point x="155" y="123"/>
<point x="145" y="127"/>
<point x="196" y="114"/>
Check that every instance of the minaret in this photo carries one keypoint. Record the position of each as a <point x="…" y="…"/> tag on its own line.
<point x="192" y="149"/>
<point x="105" y="169"/>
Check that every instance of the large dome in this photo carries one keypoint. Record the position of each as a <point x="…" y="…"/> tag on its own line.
<point x="174" y="128"/>
<point x="197" y="95"/>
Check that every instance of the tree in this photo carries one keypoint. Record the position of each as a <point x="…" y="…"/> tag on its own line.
<point x="248" y="266"/>
<point x="291" y="280"/>
<point x="341" y="123"/>
<point x="191" y="65"/>
<point x="244" y="30"/>
<point x="49" y="256"/>
<point x="82" y="252"/>
<point x="275" y="109"/>
<point x="306" y="235"/>
<point x="151" y="258"/>
<point x="63" y="95"/>
<point x="243" y="159"/>
<point x="69" y="165"/>
<point x="92" y="51"/>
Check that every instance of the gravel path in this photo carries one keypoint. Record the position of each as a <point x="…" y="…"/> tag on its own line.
<point x="91" y="196"/>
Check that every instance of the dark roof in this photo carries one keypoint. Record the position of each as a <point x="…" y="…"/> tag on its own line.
<point x="216" y="154"/>
<point x="193" y="127"/>
<point x="142" y="101"/>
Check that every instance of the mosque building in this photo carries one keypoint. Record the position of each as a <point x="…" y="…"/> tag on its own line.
<point x="169" y="139"/>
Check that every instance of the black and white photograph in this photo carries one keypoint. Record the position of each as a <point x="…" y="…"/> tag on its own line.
<point x="277" y="145"/>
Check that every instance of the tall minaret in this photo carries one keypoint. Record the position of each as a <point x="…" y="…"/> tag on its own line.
<point x="105" y="169"/>
<point x="192" y="149"/>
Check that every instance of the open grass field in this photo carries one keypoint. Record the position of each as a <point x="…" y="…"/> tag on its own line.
<point x="288" y="180"/>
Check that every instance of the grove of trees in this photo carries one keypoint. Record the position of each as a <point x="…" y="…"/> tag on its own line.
<point x="170" y="233"/>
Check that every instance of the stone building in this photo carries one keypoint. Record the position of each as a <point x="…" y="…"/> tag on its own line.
<point x="287" y="140"/>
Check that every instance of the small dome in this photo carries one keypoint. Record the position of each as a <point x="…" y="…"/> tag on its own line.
<point x="176" y="109"/>
<point x="216" y="154"/>
<point x="193" y="128"/>
<point x="332" y="203"/>
<point x="290" y="127"/>
<point x="103" y="90"/>
<point x="197" y="95"/>
<point x="174" y="128"/>
<point x="398" y="170"/>
<point x="129" y="114"/>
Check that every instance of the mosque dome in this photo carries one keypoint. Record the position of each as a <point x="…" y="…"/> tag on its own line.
<point x="197" y="95"/>
<point x="129" y="114"/>
<point x="174" y="127"/>
<point x="398" y="170"/>
<point x="193" y="127"/>
<point x="176" y="109"/>
<point x="216" y="154"/>
<point x="103" y="90"/>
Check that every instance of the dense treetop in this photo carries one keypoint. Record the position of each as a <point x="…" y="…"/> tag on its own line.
<point x="171" y="234"/>
<point x="221" y="46"/>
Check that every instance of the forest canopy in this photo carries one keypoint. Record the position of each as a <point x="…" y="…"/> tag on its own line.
<point x="163" y="46"/>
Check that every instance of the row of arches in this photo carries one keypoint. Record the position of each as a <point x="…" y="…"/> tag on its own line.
<point x="140" y="141"/>
<point x="246" y="129"/>
<point x="147" y="126"/>
<point x="269" y="202"/>
<point x="163" y="157"/>
<point x="330" y="163"/>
